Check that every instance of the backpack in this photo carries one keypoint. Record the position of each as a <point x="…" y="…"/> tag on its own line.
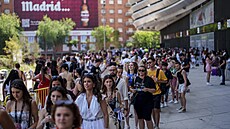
<point x="162" y="86"/>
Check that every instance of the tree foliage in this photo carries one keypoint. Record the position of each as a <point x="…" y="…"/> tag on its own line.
<point x="13" y="49"/>
<point x="53" y="32"/>
<point x="146" y="39"/>
<point x="98" y="33"/>
<point x="9" y="27"/>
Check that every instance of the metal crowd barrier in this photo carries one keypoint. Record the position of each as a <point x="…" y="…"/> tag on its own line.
<point x="39" y="95"/>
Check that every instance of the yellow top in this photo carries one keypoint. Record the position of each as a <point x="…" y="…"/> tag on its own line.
<point x="161" y="77"/>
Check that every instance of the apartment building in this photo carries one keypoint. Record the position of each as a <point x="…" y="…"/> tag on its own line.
<point x="115" y="13"/>
<point x="6" y="6"/>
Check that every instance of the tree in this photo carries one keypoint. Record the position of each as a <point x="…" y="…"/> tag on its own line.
<point x="116" y="38"/>
<point x="98" y="33"/>
<point x="146" y="39"/>
<point x="9" y="27"/>
<point x="13" y="49"/>
<point x="53" y="32"/>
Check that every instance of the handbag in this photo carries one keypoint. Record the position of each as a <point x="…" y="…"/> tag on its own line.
<point x="215" y="71"/>
<point x="188" y="82"/>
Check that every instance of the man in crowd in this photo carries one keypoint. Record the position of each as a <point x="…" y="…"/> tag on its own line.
<point x="160" y="78"/>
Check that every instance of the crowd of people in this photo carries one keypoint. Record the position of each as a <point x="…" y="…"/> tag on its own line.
<point x="96" y="90"/>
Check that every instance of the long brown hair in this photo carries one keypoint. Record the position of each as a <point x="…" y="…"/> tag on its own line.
<point x="104" y="89"/>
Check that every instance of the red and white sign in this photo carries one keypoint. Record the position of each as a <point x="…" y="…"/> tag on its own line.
<point x="83" y="12"/>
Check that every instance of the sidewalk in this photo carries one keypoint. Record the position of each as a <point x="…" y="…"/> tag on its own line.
<point x="207" y="106"/>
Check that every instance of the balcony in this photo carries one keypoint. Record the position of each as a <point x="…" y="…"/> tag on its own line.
<point x="129" y="23"/>
<point x="128" y="13"/>
<point x="128" y="5"/>
<point x="129" y="32"/>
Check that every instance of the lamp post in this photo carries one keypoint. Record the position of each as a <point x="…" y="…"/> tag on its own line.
<point x="103" y="14"/>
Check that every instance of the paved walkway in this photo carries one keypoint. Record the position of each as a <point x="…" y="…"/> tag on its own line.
<point x="208" y="107"/>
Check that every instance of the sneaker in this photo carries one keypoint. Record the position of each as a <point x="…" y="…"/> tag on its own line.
<point x="188" y="90"/>
<point x="222" y="83"/>
<point x="171" y="101"/>
<point x="176" y="102"/>
<point x="165" y="104"/>
<point x="156" y="128"/>
<point x="182" y="110"/>
<point x="209" y="84"/>
<point x="179" y="109"/>
<point x="162" y="105"/>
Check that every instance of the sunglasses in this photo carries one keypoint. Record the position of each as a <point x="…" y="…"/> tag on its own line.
<point x="63" y="102"/>
<point x="149" y="62"/>
<point x="141" y="70"/>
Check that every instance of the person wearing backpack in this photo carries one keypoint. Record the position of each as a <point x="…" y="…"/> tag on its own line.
<point x="152" y="71"/>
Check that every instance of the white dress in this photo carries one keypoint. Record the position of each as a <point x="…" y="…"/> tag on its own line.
<point x="92" y="116"/>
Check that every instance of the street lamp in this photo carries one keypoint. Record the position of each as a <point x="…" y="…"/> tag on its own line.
<point x="103" y="14"/>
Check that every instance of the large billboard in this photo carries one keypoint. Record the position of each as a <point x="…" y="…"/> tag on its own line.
<point x="202" y="16"/>
<point x="83" y="12"/>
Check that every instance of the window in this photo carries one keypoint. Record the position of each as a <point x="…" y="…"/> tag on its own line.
<point x="92" y="39"/>
<point x="119" y="1"/>
<point x="111" y="20"/>
<point x="119" y="11"/>
<point x="103" y="11"/>
<point x="102" y="1"/>
<point x="130" y="29"/>
<point x="120" y="39"/>
<point x="111" y="11"/>
<point x="130" y="39"/>
<point x="6" y="1"/>
<point x="103" y="20"/>
<point x="119" y="20"/>
<point x="130" y="20"/>
<point x="31" y="39"/>
<point x="83" y="38"/>
<point x="111" y="1"/>
<point x="120" y="30"/>
<point x="7" y="11"/>
<point x="74" y="38"/>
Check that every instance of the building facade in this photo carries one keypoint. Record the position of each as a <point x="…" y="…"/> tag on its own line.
<point x="6" y="6"/>
<point x="115" y="13"/>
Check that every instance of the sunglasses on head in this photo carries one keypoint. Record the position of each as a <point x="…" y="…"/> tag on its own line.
<point x="55" y="77"/>
<point x="63" y="102"/>
<point x="17" y="86"/>
<point x="85" y="74"/>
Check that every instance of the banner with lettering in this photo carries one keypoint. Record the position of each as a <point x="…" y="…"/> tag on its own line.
<point x="83" y="12"/>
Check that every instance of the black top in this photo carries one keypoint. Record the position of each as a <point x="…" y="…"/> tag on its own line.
<point x="96" y="71"/>
<point x="168" y="74"/>
<point x="185" y="62"/>
<point x="140" y="84"/>
<point x="180" y="77"/>
<point x="222" y="59"/>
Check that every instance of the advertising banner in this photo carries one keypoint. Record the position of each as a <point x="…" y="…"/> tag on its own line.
<point x="202" y="16"/>
<point x="83" y="12"/>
